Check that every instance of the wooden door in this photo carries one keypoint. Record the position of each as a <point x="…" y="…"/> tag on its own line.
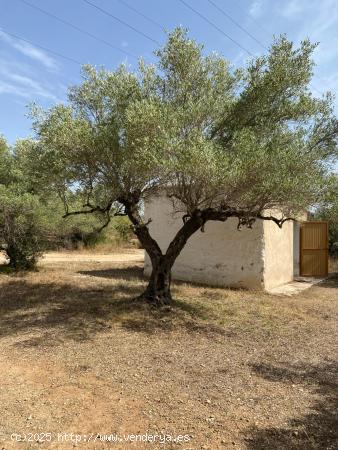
<point x="314" y="255"/>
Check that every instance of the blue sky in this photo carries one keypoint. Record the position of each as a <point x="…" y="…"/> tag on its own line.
<point x="29" y="73"/>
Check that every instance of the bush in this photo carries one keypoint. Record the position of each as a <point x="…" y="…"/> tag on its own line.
<point x="21" y="228"/>
<point x="334" y="250"/>
<point x="73" y="232"/>
<point x="122" y="226"/>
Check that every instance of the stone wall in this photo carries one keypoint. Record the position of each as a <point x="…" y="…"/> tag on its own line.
<point x="277" y="254"/>
<point x="221" y="256"/>
<point x="259" y="258"/>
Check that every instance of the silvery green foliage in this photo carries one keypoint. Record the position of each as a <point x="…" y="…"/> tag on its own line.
<point x="21" y="218"/>
<point x="21" y="227"/>
<point x="328" y="210"/>
<point x="249" y="140"/>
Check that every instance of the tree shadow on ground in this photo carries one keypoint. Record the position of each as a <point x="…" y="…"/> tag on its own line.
<point x="165" y="315"/>
<point x="130" y="273"/>
<point x="48" y="313"/>
<point x="135" y="273"/>
<point x="316" y="430"/>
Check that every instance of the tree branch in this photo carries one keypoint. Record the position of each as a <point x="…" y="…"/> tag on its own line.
<point x="91" y="210"/>
<point x="99" y="209"/>
<point x="130" y="203"/>
<point x="279" y="222"/>
<point x="197" y="220"/>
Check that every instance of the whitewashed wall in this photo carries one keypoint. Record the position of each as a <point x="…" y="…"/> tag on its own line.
<point x="261" y="257"/>
<point x="278" y="254"/>
<point x="221" y="256"/>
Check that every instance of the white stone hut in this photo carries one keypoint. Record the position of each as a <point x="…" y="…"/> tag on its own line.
<point x="261" y="258"/>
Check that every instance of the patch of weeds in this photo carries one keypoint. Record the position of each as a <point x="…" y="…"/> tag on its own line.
<point x="6" y="269"/>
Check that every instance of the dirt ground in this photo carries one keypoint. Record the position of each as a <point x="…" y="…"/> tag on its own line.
<point x="225" y="369"/>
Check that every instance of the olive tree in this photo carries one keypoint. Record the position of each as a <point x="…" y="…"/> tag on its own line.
<point x="26" y="226"/>
<point x="22" y="228"/>
<point x="328" y="210"/>
<point x="251" y="143"/>
<point x="22" y="219"/>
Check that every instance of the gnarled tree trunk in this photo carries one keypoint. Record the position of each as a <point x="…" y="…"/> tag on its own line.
<point x="158" y="290"/>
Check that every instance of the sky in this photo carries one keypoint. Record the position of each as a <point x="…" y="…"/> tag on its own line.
<point x="29" y="73"/>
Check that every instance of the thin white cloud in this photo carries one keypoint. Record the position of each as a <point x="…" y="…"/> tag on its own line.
<point x="30" y="51"/>
<point x="15" y="65"/>
<point x="325" y="18"/>
<point x="239" y="60"/>
<point x="256" y="9"/>
<point x="9" y="88"/>
<point x="319" y="22"/>
<point x="36" y="88"/>
<point x="326" y="52"/>
<point x="22" y="85"/>
<point x="316" y="17"/>
<point x="328" y="83"/>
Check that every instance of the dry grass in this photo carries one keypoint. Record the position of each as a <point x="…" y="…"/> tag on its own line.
<point x="231" y="368"/>
<point x="333" y="265"/>
<point x="105" y="248"/>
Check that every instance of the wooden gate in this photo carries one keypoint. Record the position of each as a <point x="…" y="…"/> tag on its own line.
<point x="314" y="255"/>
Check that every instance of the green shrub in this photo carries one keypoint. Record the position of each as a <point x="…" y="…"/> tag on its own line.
<point x="122" y="227"/>
<point x="334" y="250"/>
<point x="22" y="228"/>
